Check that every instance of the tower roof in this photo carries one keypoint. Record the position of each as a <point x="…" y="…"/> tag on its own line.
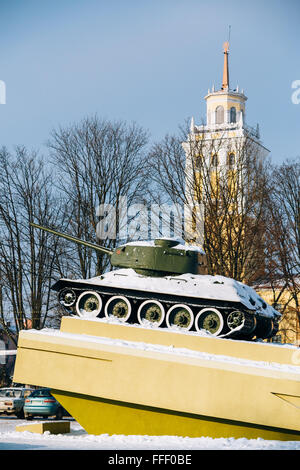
<point x="225" y="82"/>
<point x="225" y="90"/>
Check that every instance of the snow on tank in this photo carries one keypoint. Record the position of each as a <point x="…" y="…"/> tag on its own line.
<point x="165" y="282"/>
<point x="204" y="286"/>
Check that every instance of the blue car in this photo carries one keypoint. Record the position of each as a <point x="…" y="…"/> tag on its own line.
<point x="41" y="403"/>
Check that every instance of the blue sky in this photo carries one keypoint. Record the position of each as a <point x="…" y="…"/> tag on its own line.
<point x="149" y="61"/>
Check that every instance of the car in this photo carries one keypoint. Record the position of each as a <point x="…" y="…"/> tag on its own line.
<point x="12" y="400"/>
<point x="42" y="403"/>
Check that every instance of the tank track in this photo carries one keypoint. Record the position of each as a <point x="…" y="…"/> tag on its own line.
<point x="222" y="319"/>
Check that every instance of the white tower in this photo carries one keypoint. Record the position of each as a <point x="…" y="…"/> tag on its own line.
<point x="220" y="139"/>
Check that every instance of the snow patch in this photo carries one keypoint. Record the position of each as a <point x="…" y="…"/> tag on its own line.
<point x="161" y="349"/>
<point x="78" y="439"/>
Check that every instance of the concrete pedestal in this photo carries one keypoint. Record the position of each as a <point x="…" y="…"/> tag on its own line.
<point x="123" y="379"/>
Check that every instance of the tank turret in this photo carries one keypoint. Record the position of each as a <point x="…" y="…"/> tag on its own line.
<point x="165" y="282"/>
<point x="161" y="257"/>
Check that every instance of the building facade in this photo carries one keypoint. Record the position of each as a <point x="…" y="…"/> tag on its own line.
<point x="7" y="356"/>
<point x="285" y="299"/>
<point x="224" y="188"/>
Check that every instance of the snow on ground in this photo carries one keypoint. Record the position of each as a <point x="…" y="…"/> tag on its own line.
<point x="78" y="439"/>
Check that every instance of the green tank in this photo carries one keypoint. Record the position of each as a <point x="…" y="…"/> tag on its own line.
<point x="164" y="283"/>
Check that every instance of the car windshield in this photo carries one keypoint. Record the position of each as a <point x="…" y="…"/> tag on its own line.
<point x="40" y="393"/>
<point x="10" y="393"/>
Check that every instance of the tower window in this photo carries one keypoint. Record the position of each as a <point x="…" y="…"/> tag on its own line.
<point x="219" y="115"/>
<point x="198" y="161"/>
<point x="230" y="159"/>
<point x="214" y="160"/>
<point x="233" y="114"/>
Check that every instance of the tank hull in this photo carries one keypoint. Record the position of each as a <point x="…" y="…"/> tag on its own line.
<point x="208" y="298"/>
<point x="127" y="379"/>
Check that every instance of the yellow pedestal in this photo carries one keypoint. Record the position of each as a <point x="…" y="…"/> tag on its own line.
<point x="122" y="379"/>
<point x="54" y="427"/>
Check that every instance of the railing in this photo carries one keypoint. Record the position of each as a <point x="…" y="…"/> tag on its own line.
<point x="227" y="127"/>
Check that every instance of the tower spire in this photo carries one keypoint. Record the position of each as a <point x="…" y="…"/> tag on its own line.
<point x="225" y="82"/>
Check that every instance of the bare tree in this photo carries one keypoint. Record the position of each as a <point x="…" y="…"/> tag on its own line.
<point x="231" y="196"/>
<point x="99" y="164"/>
<point x="283" y="239"/>
<point x="27" y="258"/>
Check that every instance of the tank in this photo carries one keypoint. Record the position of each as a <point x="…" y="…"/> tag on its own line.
<point x="164" y="283"/>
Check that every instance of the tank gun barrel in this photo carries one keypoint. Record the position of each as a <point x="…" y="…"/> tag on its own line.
<point x="100" y="248"/>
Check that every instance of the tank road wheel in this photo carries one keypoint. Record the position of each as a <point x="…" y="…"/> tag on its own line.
<point x="235" y="319"/>
<point x="67" y="297"/>
<point x="89" y="304"/>
<point x="209" y="319"/>
<point x="119" y="307"/>
<point x="180" y="315"/>
<point x="151" y="310"/>
<point x="245" y="323"/>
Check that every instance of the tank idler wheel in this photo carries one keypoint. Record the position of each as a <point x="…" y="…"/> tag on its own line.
<point x="119" y="307"/>
<point x="211" y="320"/>
<point x="89" y="304"/>
<point x="67" y="297"/>
<point x="180" y="315"/>
<point x="264" y="328"/>
<point x="152" y="311"/>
